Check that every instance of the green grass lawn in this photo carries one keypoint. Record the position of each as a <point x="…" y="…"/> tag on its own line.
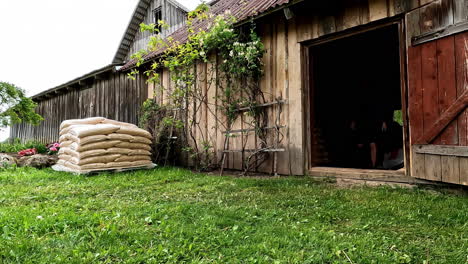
<point x="175" y="216"/>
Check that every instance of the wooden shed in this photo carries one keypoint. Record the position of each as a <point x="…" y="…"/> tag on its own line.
<point x="330" y="61"/>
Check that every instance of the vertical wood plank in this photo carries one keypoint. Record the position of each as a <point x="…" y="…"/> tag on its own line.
<point x="304" y="27"/>
<point x="202" y="110"/>
<point x="401" y="6"/>
<point x="418" y="166"/>
<point x="433" y="168"/>
<point x="377" y="9"/>
<point x="123" y="99"/>
<point x="450" y="169"/>
<point x="447" y="85"/>
<point x="351" y="16"/>
<point x="281" y="90"/>
<point x="327" y="25"/>
<point x="391" y="8"/>
<point x="211" y="113"/>
<point x="460" y="10"/>
<point x="461" y="82"/>
<point x="364" y="16"/>
<point x="464" y="171"/>
<point x="446" y="13"/>
<point x="429" y="17"/>
<point x="430" y="84"/>
<point x="413" y="28"/>
<point x="295" y="106"/>
<point x="267" y="83"/>
<point x="415" y="92"/>
<point x="430" y="104"/>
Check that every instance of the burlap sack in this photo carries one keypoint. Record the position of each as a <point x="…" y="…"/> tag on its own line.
<point x="134" y="132"/>
<point x="122" y="151"/>
<point x="117" y="123"/>
<point x="92" y="146"/>
<point x="132" y="158"/>
<point x="86" y="121"/>
<point x="83" y="141"/>
<point x="66" y="143"/>
<point x="139" y="152"/>
<point x="66" y="130"/>
<point x="121" y="137"/>
<point x="65" y="157"/>
<point x="98" y="159"/>
<point x="76" y="168"/>
<point x="129" y="145"/>
<point x="65" y="137"/>
<point x="93" y="130"/>
<point x="141" y="140"/>
<point x="69" y="165"/>
<point x="66" y="151"/>
<point x="83" y="155"/>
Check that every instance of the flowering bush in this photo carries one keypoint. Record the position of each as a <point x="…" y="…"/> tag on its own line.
<point x="27" y="152"/>
<point x="50" y="149"/>
<point x="53" y="148"/>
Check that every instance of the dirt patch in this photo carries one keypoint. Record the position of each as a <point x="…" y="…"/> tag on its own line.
<point x="349" y="183"/>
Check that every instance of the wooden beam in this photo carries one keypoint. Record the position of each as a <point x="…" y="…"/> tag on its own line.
<point x="82" y="83"/>
<point x="260" y="105"/>
<point x="440" y="33"/>
<point x="253" y="150"/>
<point x="251" y="129"/>
<point x="457" y="151"/>
<point x="445" y="119"/>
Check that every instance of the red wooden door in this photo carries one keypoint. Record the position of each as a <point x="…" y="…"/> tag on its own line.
<point x="437" y="74"/>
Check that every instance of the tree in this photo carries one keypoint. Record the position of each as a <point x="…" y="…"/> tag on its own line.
<point x="15" y="107"/>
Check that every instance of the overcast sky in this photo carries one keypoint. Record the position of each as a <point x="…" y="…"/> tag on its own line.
<point x="46" y="43"/>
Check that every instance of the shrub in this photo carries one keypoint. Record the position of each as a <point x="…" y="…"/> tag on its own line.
<point x="17" y="146"/>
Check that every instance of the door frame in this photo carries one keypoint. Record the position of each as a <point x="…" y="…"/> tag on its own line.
<point x="308" y="84"/>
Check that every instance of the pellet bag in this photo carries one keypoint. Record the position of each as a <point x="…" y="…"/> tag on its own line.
<point x="100" y="144"/>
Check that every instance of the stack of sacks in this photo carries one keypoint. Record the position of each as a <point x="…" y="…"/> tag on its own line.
<point x="98" y="143"/>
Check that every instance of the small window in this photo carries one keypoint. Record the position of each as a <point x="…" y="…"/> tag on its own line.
<point x="157" y="14"/>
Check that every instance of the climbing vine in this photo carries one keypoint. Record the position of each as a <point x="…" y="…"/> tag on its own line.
<point x="234" y="59"/>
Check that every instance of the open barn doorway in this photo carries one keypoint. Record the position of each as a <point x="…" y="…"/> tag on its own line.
<point x="356" y="102"/>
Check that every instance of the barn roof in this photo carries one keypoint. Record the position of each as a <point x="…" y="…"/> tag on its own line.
<point x="77" y="82"/>
<point x="242" y="10"/>
<point x="134" y="26"/>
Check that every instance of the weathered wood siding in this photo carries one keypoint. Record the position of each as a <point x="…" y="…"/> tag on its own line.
<point x="115" y="97"/>
<point x="437" y="75"/>
<point x="172" y="15"/>
<point x="283" y="79"/>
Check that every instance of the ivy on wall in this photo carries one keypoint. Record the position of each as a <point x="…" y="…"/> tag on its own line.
<point x="235" y="55"/>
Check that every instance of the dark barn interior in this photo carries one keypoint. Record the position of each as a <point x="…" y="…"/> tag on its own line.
<point x="355" y="93"/>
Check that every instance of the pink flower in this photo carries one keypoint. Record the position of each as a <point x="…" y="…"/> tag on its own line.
<point x="53" y="149"/>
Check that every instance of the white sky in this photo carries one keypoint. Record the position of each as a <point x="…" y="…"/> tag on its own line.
<point x="46" y="43"/>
